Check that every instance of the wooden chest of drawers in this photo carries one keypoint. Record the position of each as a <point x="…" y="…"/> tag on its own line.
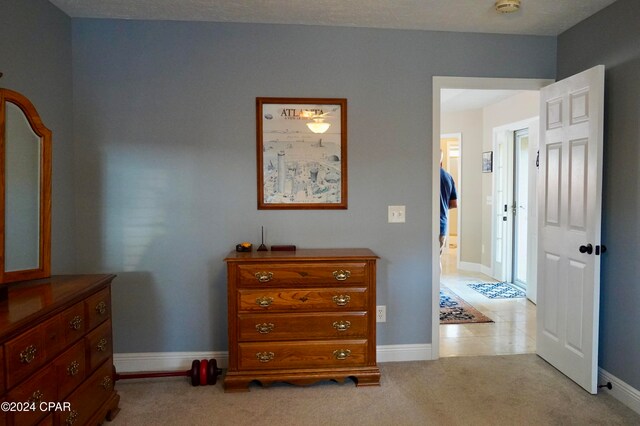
<point x="301" y="317"/>
<point x="55" y="347"/>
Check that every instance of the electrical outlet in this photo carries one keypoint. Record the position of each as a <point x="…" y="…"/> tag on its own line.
<point x="381" y="313"/>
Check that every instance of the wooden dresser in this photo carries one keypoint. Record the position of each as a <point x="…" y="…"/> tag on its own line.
<point x="56" y="347"/>
<point x="301" y="316"/>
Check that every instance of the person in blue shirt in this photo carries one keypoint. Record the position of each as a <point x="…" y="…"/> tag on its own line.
<point x="448" y="200"/>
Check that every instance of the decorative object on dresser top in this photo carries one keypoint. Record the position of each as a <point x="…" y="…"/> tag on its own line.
<point x="301" y="316"/>
<point x="55" y="334"/>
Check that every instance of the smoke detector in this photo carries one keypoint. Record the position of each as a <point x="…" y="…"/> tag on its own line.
<point x="507" y="6"/>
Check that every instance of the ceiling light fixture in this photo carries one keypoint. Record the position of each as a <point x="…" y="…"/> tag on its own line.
<point x="507" y="6"/>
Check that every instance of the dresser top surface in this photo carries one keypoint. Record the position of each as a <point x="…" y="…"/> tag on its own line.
<point x="303" y="254"/>
<point x="26" y="301"/>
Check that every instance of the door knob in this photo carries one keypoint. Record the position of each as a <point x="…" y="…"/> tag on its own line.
<point x="586" y="249"/>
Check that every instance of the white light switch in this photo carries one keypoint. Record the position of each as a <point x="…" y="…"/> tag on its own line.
<point x="396" y="214"/>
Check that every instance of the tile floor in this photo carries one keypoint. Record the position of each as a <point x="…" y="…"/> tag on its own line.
<point x="514" y="329"/>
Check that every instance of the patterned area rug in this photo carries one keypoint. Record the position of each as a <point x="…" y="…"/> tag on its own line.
<point x="454" y="310"/>
<point x="498" y="290"/>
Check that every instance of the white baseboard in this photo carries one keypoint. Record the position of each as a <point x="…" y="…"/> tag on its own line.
<point x="475" y="267"/>
<point x="176" y="361"/>
<point x="621" y="391"/>
<point x="471" y="267"/>
<point x="164" y="361"/>
<point x="399" y="353"/>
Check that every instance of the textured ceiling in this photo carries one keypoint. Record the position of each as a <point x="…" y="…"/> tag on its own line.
<point x="536" y="17"/>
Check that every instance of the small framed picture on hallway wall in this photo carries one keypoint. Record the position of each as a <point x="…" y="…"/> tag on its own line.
<point x="487" y="162"/>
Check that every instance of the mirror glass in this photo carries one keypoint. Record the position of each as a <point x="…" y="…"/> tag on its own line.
<point x="22" y="192"/>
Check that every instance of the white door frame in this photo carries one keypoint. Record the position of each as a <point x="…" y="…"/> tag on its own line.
<point x="440" y="83"/>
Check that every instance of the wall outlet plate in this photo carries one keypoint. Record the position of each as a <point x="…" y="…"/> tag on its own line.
<point x="381" y="313"/>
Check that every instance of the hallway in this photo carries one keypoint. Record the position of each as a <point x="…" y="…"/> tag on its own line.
<point x="512" y="332"/>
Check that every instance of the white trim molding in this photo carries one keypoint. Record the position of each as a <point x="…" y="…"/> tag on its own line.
<point x="164" y="361"/>
<point x="401" y="353"/>
<point x="470" y="267"/>
<point x="176" y="361"/>
<point x="621" y="391"/>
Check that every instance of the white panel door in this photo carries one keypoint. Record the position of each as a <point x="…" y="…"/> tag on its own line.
<point x="569" y="222"/>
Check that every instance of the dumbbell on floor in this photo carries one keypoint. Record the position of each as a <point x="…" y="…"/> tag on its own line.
<point x="202" y="372"/>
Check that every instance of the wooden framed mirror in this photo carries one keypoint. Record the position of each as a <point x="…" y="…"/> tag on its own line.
<point x="25" y="191"/>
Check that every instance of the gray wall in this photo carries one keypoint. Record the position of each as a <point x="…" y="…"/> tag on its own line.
<point x="612" y="38"/>
<point x="35" y="57"/>
<point x="165" y="143"/>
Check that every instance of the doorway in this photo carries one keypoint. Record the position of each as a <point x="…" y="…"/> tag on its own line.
<point x="480" y="267"/>
<point x="515" y="209"/>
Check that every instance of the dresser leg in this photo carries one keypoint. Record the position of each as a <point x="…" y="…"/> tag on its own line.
<point x="372" y="379"/>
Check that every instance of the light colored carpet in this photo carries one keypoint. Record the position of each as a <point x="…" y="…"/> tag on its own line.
<point x="494" y="390"/>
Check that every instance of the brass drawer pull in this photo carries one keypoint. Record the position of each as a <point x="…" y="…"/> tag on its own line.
<point x="265" y="328"/>
<point x="36" y="397"/>
<point x="341" y="275"/>
<point x="264" y="302"/>
<point x="265" y="356"/>
<point x="76" y="323"/>
<point x="71" y="418"/>
<point x="28" y="354"/>
<point x="101" y="308"/>
<point x="342" y="354"/>
<point x="342" y="300"/>
<point x="102" y="345"/>
<point x="73" y="369"/>
<point x="342" y="325"/>
<point x="264" y="277"/>
<point x="107" y="383"/>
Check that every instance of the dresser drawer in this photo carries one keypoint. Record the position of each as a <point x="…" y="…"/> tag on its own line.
<point x="40" y="387"/>
<point x="98" y="345"/>
<point x="70" y="369"/>
<point x="73" y="323"/>
<point x="24" y="355"/>
<point x="97" y="308"/>
<point x="313" y="299"/>
<point x="318" y="354"/>
<point x="301" y="274"/>
<point x="263" y="327"/>
<point x="92" y="394"/>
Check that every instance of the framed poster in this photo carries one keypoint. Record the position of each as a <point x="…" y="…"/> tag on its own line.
<point x="302" y="153"/>
<point x="487" y="162"/>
